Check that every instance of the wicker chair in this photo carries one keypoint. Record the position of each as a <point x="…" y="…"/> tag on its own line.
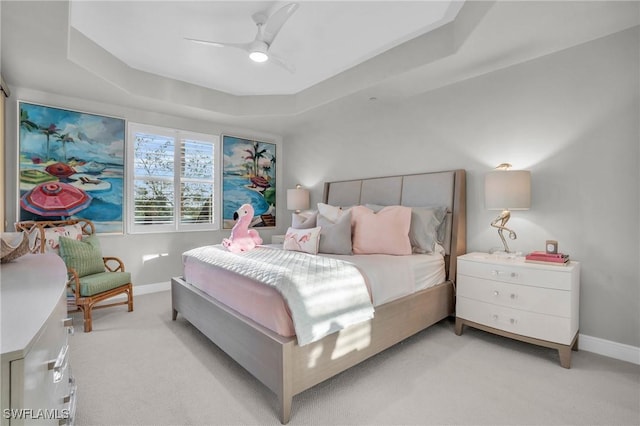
<point x="88" y="289"/>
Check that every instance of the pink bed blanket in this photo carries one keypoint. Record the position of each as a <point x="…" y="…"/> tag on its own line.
<point x="324" y="295"/>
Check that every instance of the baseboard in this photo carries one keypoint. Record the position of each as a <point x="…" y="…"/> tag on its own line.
<point x="139" y="290"/>
<point x="587" y="343"/>
<point x="608" y="348"/>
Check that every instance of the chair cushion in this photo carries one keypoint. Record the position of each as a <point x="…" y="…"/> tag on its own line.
<point x="97" y="283"/>
<point x="84" y="256"/>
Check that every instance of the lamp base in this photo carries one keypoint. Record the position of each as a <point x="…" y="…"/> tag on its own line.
<point x="500" y="223"/>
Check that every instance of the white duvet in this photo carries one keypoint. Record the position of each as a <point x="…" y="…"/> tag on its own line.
<point x="324" y="294"/>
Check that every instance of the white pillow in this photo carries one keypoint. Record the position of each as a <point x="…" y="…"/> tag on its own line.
<point x="331" y="213"/>
<point x="304" y="240"/>
<point x="52" y="235"/>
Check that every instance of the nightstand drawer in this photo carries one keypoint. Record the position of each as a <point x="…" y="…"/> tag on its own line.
<point x="530" y="324"/>
<point x="558" y="278"/>
<point x="516" y="296"/>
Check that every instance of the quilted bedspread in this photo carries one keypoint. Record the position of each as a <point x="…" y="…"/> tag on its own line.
<point x="324" y="294"/>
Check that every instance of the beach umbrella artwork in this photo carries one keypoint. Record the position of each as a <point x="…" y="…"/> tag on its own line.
<point x="60" y="170"/>
<point x="55" y="199"/>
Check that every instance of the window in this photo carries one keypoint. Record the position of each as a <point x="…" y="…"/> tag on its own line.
<point x="172" y="180"/>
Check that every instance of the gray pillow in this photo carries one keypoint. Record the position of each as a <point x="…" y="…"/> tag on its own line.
<point x="425" y="226"/>
<point x="304" y="220"/>
<point x="335" y="237"/>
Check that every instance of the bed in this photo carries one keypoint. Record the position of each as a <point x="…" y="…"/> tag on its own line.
<point x="288" y="368"/>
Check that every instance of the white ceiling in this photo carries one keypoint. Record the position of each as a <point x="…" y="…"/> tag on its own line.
<point x="321" y="39"/>
<point x="43" y="51"/>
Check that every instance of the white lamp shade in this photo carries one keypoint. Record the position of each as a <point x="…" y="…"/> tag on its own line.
<point x="297" y="199"/>
<point x="507" y="190"/>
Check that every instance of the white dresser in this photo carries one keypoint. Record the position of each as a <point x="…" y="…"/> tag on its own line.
<point x="37" y="384"/>
<point x="531" y="302"/>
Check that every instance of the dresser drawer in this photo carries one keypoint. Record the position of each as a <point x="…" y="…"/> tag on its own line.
<point x="516" y="296"/>
<point x="530" y="324"/>
<point x="557" y="278"/>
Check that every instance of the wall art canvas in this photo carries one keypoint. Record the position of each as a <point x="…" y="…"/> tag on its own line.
<point x="71" y="165"/>
<point x="249" y="177"/>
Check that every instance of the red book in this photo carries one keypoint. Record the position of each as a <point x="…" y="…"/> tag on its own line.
<point x="547" y="259"/>
<point x="548" y="255"/>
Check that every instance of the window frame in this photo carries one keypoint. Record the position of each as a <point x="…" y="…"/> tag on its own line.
<point x="177" y="179"/>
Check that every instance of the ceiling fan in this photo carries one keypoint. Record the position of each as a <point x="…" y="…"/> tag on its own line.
<point x="268" y="28"/>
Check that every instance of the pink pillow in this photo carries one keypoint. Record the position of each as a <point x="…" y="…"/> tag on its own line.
<point x="385" y="232"/>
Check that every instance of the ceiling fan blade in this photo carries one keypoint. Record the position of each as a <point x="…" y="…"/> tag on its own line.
<point x="281" y="62"/>
<point x="275" y="22"/>
<point x="243" y="46"/>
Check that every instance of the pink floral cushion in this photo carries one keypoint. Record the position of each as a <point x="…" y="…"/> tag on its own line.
<point x="52" y="236"/>
<point x="384" y="232"/>
<point x="305" y="240"/>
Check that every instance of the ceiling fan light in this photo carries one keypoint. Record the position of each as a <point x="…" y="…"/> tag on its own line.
<point x="257" y="56"/>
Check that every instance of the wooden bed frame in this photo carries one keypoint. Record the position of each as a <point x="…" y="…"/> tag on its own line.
<point x="288" y="369"/>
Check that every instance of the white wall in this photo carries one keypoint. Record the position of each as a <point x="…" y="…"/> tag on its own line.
<point x="570" y="117"/>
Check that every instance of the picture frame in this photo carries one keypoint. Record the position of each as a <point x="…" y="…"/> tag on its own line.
<point x="249" y="177"/>
<point x="71" y="165"/>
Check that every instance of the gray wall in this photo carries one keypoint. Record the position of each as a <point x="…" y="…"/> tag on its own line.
<point x="570" y="117"/>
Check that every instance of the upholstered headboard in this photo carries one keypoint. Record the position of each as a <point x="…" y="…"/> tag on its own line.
<point x="446" y="188"/>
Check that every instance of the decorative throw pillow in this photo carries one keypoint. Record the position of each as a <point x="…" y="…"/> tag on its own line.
<point x="427" y="227"/>
<point x="305" y="240"/>
<point x="52" y="237"/>
<point x="384" y="232"/>
<point x="85" y="256"/>
<point x="426" y="223"/>
<point x="331" y="213"/>
<point x="335" y="237"/>
<point x="304" y="220"/>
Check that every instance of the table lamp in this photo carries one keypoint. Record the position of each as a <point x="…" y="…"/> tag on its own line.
<point x="506" y="190"/>
<point x="297" y="199"/>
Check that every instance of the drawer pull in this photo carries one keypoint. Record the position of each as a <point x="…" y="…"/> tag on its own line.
<point x="496" y="293"/>
<point x="513" y="321"/>
<point x="59" y="364"/>
<point x="68" y="324"/>
<point x="498" y="273"/>
<point x="513" y="296"/>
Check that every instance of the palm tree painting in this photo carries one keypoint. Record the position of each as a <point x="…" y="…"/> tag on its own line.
<point x="70" y="148"/>
<point x="249" y="177"/>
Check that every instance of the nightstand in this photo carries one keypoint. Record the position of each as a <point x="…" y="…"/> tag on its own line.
<point x="530" y="302"/>
<point x="277" y="239"/>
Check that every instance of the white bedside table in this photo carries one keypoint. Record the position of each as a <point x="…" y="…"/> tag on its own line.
<point x="277" y="239"/>
<point x="530" y="302"/>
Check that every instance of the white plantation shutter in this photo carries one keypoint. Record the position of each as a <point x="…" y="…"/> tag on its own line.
<point x="197" y="183"/>
<point x="153" y="181"/>
<point x="172" y="175"/>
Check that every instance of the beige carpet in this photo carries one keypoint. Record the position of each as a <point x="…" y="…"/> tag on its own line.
<point x="141" y="368"/>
